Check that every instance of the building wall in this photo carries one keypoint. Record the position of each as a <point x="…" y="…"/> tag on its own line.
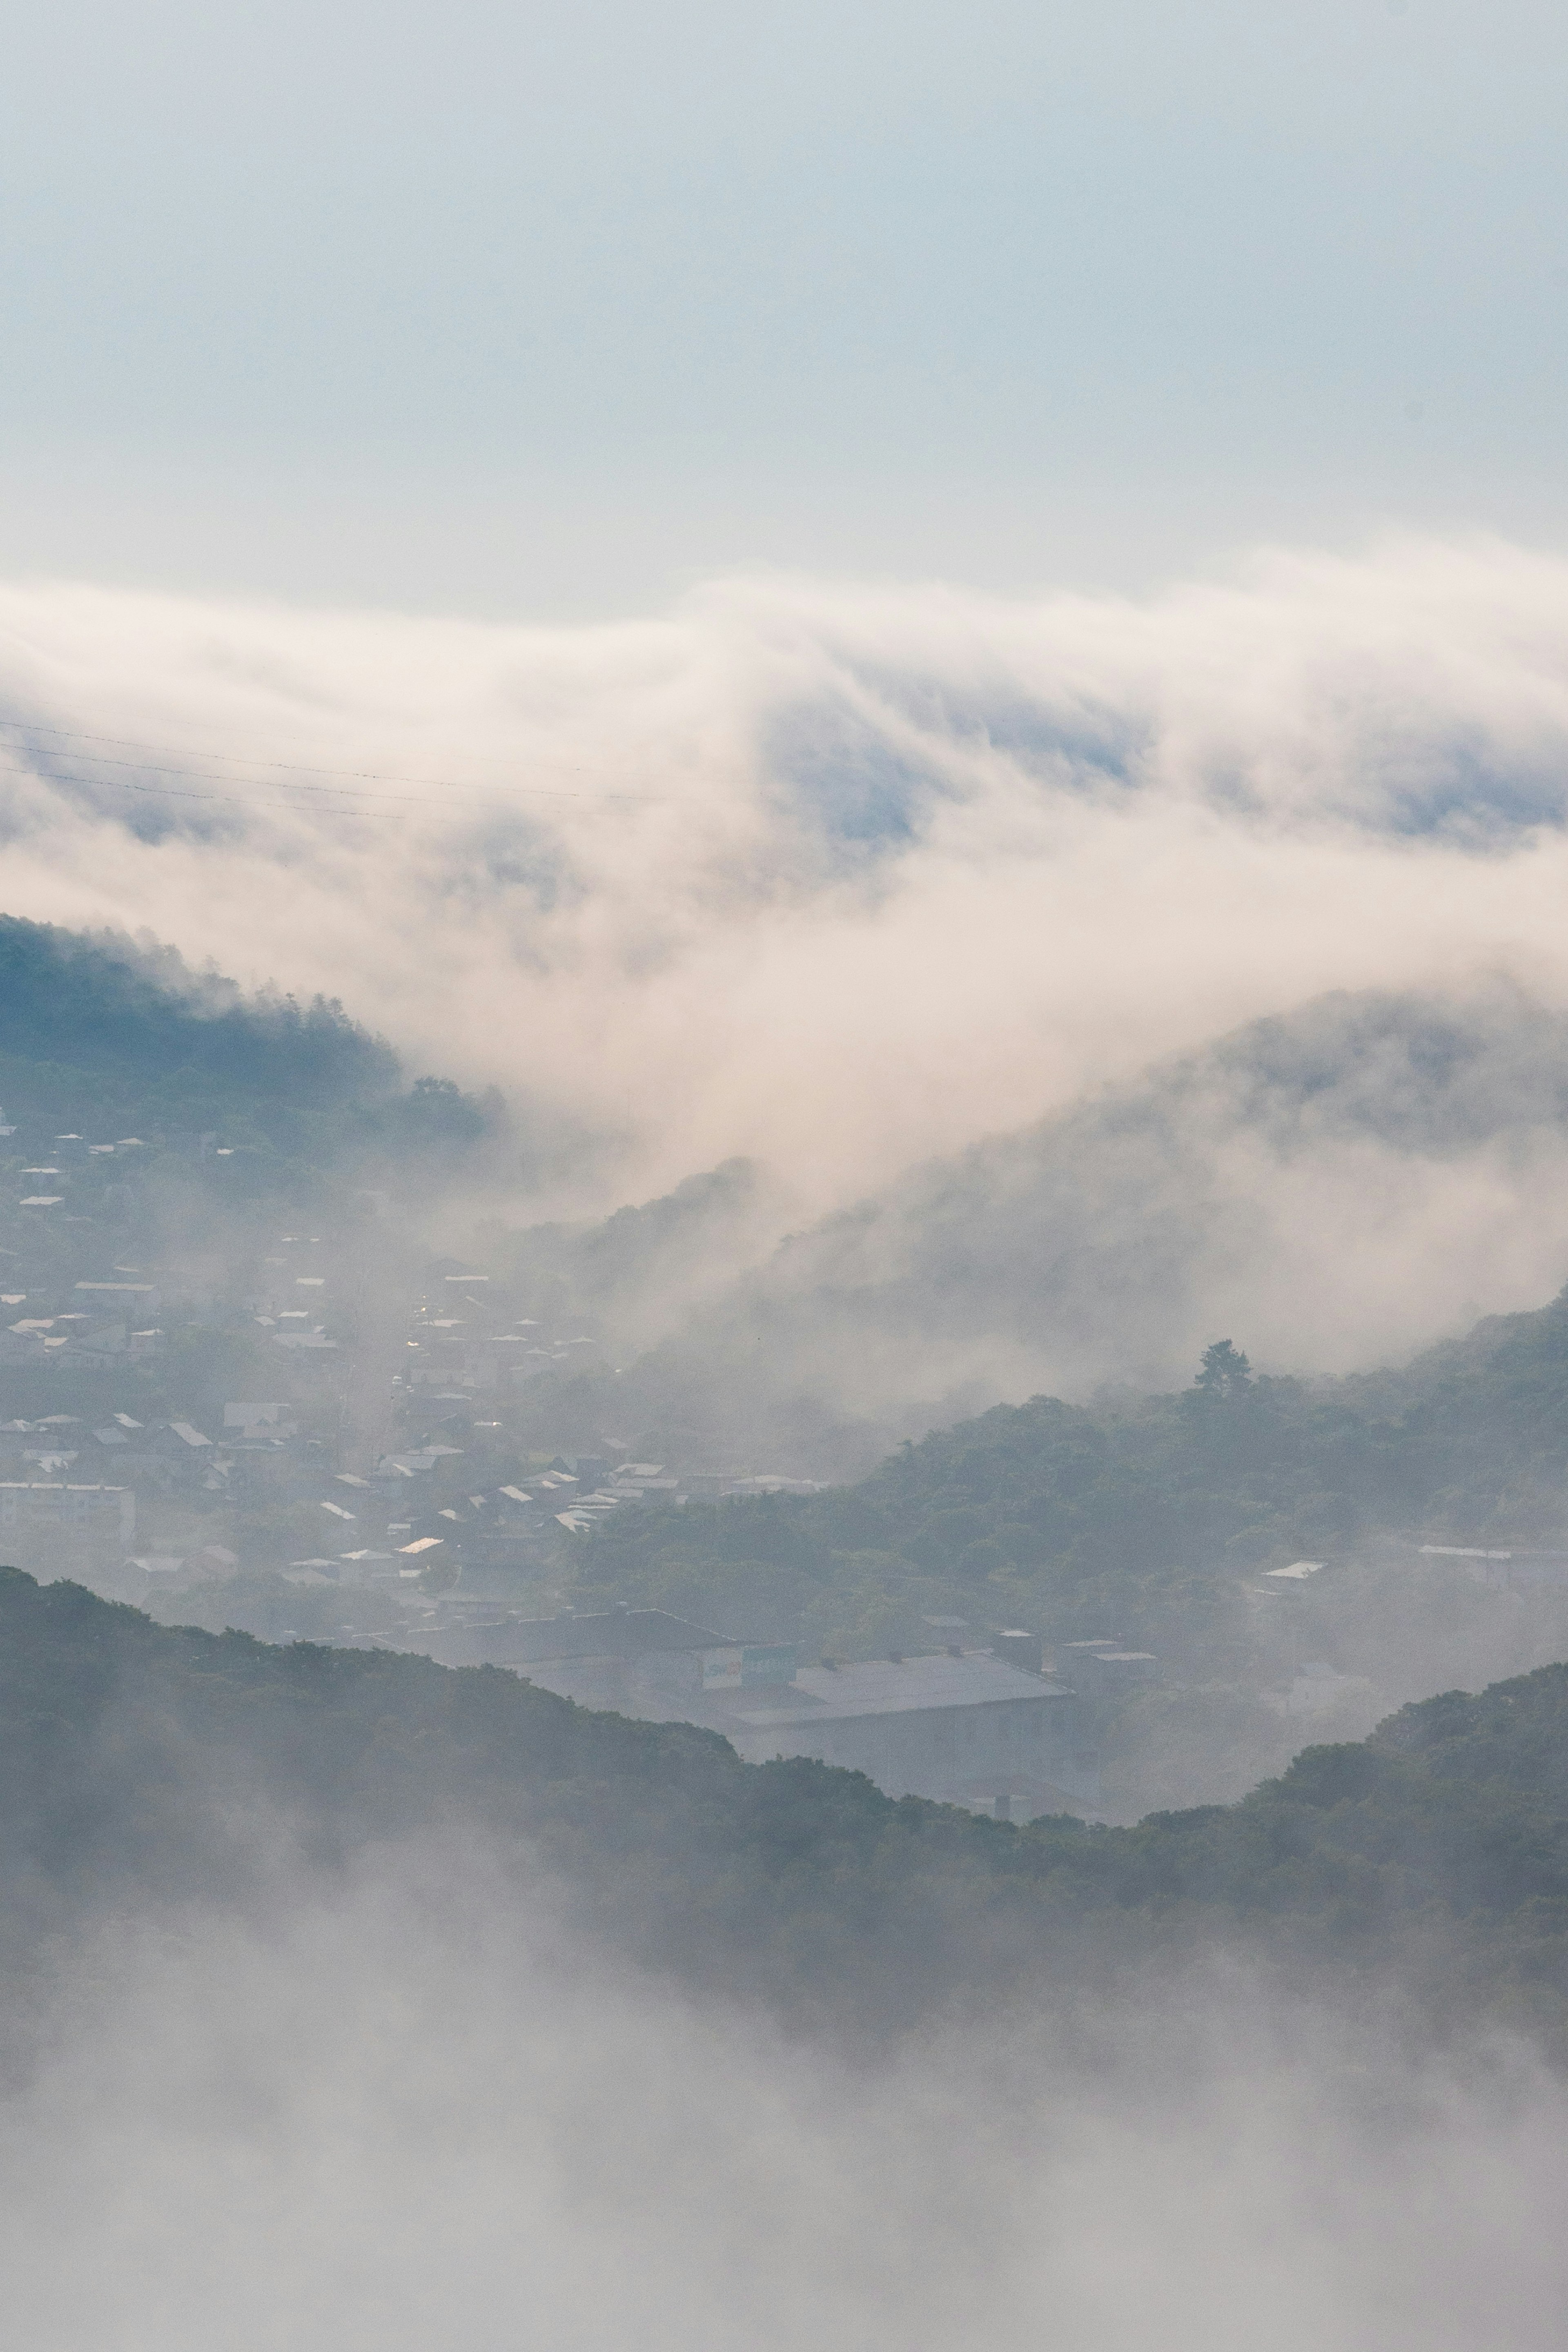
<point x="51" y="1527"/>
<point x="948" y="1753"/>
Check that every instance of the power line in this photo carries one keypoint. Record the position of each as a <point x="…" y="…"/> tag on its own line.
<point x="318" y="793"/>
<point x="165" y="791"/>
<point x="186" y="767"/>
<point x="322" y="798"/>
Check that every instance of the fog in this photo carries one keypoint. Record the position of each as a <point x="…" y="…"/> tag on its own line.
<point x="1339" y="1186"/>
<point x="837" y="878"/>
<point x="418" y="2110"/>
<point x="831" y="877"/>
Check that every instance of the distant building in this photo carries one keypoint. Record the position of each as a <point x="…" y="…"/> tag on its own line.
<point x="181" y="1434"/>
<point x="965" y="1727"/>
<point x="631" y="1660"/>
<point x="48" y="1527"/>
<point x="1108" y="1669"/>
<point x="128" y="1300"/>
<point x="252" y="1417"/>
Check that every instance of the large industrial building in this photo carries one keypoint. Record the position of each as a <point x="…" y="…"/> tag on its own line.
<point x="965" y="1726"/>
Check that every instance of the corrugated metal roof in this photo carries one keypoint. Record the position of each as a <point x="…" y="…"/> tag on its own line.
<point x="611" y="1633"/>
<point x="877" y="1686"/>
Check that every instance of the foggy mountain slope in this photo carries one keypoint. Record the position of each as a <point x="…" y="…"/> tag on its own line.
<point x="107" y="1002"/>
<point x="890" y="869"/>
<point x="1337" y="1183"/>
<point x="100" y="1024"/>
<point x="648" y="1265"/>
<point x="150" y="1765"/>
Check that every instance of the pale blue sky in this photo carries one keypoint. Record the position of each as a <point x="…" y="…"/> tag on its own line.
<point x="518" y="309"/>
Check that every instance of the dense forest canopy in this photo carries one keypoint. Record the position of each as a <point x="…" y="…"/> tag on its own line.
<point x="145" y="1762"/>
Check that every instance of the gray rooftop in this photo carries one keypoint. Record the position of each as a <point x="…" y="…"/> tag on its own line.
<point x="611" y="1634"/>
<point x="879" y="1686"/>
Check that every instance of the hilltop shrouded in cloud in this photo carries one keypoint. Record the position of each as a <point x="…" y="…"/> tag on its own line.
<point x="1338" y="1183"/>
<point x="837" y="880"/>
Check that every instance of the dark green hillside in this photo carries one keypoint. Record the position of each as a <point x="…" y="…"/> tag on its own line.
<point x="133" y="1011"/>
<point x="1138" y="1520"/>
<point x="103" y="1024"/>
<point x="111" y="1036"/>
<point x="147" y="1764"/>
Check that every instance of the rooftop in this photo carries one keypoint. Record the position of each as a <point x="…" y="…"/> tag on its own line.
<point x="881" y="1687"/>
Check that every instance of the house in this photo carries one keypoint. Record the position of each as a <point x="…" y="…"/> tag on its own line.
<point x="101" y="1345"/>
<point x="168" y="1572"/>
<point x="1093" y="1667"/>
<point x="125" y="1301"/>
<point x="48" y="1523"/>
<point x="251" y="1420"/>
<point x="24" y="1342"/>
<point x="177" y="1452"/>
<point x="153" y="1572"/>
<point x="182" y="1433"/>
<point x="506" y="1525"/>
<point x="264" y="1468"/>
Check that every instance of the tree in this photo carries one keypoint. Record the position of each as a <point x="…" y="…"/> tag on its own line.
<point x="1224" y="1372"/>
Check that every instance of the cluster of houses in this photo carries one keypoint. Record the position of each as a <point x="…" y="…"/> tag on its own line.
<point x="451" y="1345"/>
<point x="105" y="1325"/>
<point x="583" y="1488"/>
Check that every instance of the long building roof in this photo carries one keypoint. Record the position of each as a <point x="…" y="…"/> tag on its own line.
<point x="608" y="1633"/>
<point x="886" y="1686"/>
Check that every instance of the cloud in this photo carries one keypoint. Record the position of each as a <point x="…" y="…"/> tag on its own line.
<point x="1335" y="1185"/>
<point x="834" y="877"/>
<point x="420" y="2110"/>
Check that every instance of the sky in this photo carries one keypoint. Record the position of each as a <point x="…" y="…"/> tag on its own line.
<point x="547" y="313"/>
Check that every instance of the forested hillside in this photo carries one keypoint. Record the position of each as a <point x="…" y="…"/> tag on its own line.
<point x="105" y="1030"/>
<point x="1137" y="1518"/>
<point x="143" y="1764"/>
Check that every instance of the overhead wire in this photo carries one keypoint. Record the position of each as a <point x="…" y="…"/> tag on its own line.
<point x="325" y="802"/>
<point x="435" y="788"/>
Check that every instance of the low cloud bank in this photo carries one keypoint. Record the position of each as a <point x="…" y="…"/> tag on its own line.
<point x="837" y="880"/>
<point x="1334" y="1186"/>
<point x="832" y="878"/>
<point x="421" y="2111"/>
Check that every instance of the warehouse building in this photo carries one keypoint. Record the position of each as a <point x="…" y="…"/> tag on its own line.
<point x="964" y="1727"/>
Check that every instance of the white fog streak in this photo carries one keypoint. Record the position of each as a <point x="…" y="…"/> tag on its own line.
<point x="396" y="2123"/>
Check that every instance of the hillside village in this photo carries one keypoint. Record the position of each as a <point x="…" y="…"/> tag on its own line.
<point x="331" y="1408"/>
